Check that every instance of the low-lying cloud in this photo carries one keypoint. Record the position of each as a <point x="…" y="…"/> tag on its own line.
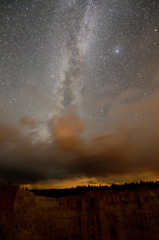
<point x="127" y="143"/>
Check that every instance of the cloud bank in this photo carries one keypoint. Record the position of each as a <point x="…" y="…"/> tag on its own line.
<point x="68" y="147"/>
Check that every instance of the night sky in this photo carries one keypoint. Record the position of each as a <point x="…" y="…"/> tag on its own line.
<point x="79" y="91"/>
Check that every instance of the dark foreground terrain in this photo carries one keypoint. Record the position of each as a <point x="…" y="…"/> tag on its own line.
<point x="129" y="211"/>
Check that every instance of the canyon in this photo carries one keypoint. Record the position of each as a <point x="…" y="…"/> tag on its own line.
<point x="99" y="215"/>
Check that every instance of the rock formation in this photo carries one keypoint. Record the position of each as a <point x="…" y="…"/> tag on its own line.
<point x="110" y="214"/>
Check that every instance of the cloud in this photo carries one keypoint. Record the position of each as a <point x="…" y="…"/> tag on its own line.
<point x="67" y="130"/>
<point x="25" y="120"/>
<point x="127" y="145"/>
<point x="7" y="133"/>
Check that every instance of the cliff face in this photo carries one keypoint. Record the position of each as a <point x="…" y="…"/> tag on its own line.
<point x="94" y="215"/>
<point x="7" y="199"/>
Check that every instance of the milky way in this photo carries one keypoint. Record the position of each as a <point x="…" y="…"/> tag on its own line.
<point x="97" y="58"/>
<point x="56" y="53"/>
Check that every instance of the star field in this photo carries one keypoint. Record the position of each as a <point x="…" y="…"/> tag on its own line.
<point x="100" y="58"/>
<point x="110" y="44"/>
